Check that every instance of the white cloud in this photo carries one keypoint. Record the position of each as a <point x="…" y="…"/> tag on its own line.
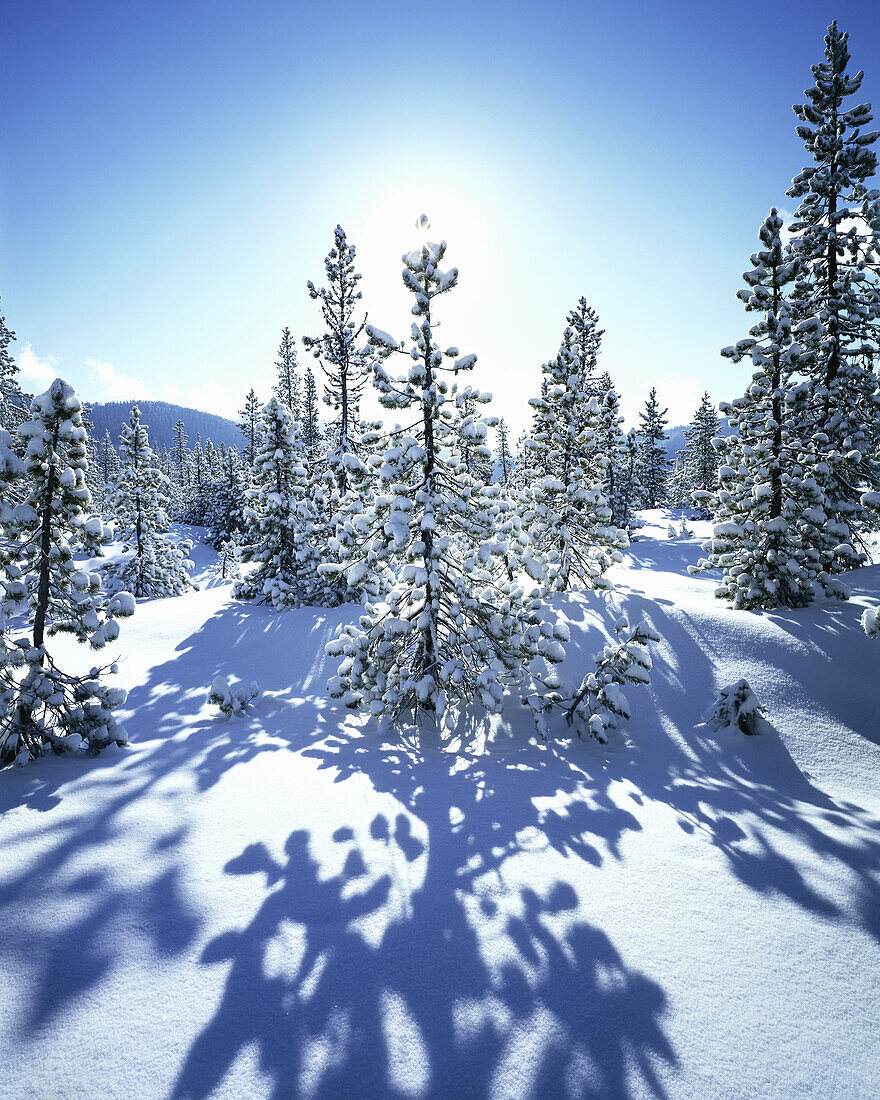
<point x="210" y="397"/>
<point x="37" y="373"/>
<point x="108" y="384"/>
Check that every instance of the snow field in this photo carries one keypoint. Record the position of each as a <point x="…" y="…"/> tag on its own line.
<point x="296" y="903"/>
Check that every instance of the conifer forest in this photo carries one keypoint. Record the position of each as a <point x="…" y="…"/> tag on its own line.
<point x="415" y="741"/>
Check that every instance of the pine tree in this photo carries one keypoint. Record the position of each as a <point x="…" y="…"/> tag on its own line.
<point x="450" y="625"/>
<point x="195" y="500"/>
<point x="503" y="457"/>
<point x="199" y="467"/>
<point x="287" y="387"/>
<point x="213" y="462"/>
<point x="680" y="482"/>
<point x="279" y="517"/>
<point x="226" y="566"/>
<point x="836" y="301"/>
<point x="475" y="455"/>
<point x="653" y="461"/>
<point x="345" y="367"/>
<point x="701" y="457"/>
<point x="109" y="459"/>
<point x="312" y="436"/>
<point x="629" y="486"/>
<point x="225" y="515"/>
<point x="180" y="454"/>
<point x="13" y="408"/>
<point x="249" y="425"/>
<point x="768" y="508"/>
<point x="565" y="512"/>
<point x="42" y="708"/>
<point x="158" y="565"/>
<point x="583" y="338"/>
<point x="612" y="446"/>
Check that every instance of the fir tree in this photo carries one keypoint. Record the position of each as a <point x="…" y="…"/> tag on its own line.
<point x="213" y="462"/>
<point x="109" y="459"/>
<point x="475" y="455"/>
<point x="225" y="516"/>
<point x="583" y="338"/>
<point x="680" y="482"/>
<point x="195" y="500"/>
<point x="180" y="453"/>
<point x="158" y="565"/>
<point x="653" y="461"/>
<point x="199" y="467"/>
<point x="226" y="566"/>
<point x="768" y="508"/>
<point x="42" y="708"/>
<point x="13" y="408"/>
<point x="249" y="425"/>
<point x="345" y="367"/>
<point x="836" y="301"/>
<point x="612" y="446"/>
<point x="450" y="625"/>
<point x="629" y="486"/>
<point x="287" y="387"/>
<point x="312" y="436"/>
<point x="565" y="512"/>
<point x="701" y="457"/>
<point x="279" y="518"/>
<point x="503" y="457"/>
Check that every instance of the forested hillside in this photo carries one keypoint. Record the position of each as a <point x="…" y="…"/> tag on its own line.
<point x="161" y="416"/>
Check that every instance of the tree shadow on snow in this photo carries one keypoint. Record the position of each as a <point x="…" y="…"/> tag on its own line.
<point x="79" y="879"/>
<point x="83" y="876"/>
<point x="746" y="794"/>
<point x="417" y="970"/>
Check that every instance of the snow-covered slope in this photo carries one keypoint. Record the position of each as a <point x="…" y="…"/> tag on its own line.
<point x="295" y="903"/>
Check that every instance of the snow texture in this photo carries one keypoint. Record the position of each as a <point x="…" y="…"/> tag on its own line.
<point x="291" y="904"/>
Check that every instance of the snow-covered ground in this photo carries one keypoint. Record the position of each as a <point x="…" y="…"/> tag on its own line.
<point x="294" y="903"/>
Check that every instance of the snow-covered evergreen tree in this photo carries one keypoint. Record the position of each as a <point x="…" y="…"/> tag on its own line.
<point x="279" y="518"/>
<point x="13" y="405"/>
<point x="250" y="427"/>
<point x="199" y="466"/>
<point x="565" y="512"/>
<point x="503" y="457"/>
<point x="768" y="508"/>
<point x="598" y="706"/>
<point x="212" y="460"/>
<point x="312" y="435"/>
<point x="612" y="446"/>
<point x="653" y="460"/>
<point x="225" y="515"/>
<point x="342" y="486"/>
<point x="629" y="486"/>
<point x="447" y="624"/>
<point x="287" y="386"/>
<point x="226" y="566"/>
<point x="344" y="365"/>
<point x="158" y="564"/>
<point x="583" y="338"/>
<point x="475" y="455"/>
<point x="195" y="501"/>
<point x="108" y="458"/>
<point x="180" y="455"/>
<point x="702" y="455"/>
<point x="696" y="474"/>
<point x="42" y="708"/>
<point x="836" y="302"/>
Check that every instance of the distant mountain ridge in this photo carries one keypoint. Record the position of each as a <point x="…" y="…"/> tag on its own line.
<point x="160" y="418"/>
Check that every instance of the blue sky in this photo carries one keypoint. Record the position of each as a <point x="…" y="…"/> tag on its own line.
<point x="173" y="171"/>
